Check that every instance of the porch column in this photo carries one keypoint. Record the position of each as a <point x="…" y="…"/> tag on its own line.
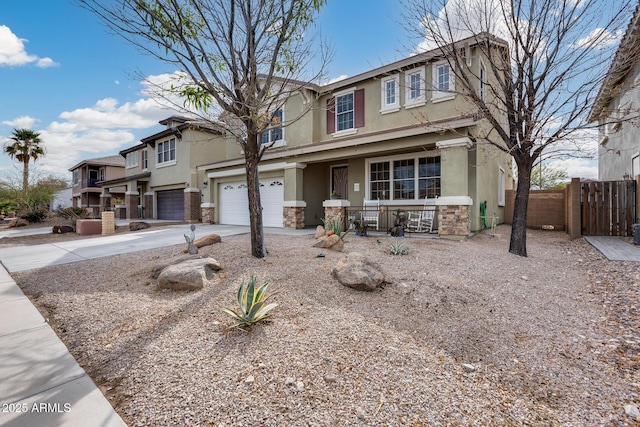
<point x="105" y="201"/>
<point x="148" y="205"/>
<point x="335" y="210"/>
<point x="192" y="204"/>
<point x="131" y="201"/>
<point x="294" y="204"/>
<point x="208" y="213"/>
<point x="454" y="216"/>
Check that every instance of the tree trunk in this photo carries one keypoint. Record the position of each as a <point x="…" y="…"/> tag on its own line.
<point x="518" y="243"/>
<point x="258" y="248"/>
<point x="25" y="176"/>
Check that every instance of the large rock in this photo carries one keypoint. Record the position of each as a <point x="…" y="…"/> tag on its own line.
<point x="59" y="229"/>
<point x="332" y="242"/>
<point x="357" y="272"/>
<point x="320" y="231"/>
<point x="17" y="222"/>
<point x="138" y="225"/>
<point x="190" y="275"/>
<point x="207" y="240"/>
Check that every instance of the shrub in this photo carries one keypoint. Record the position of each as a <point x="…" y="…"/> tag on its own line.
<point x="397" y="248"/>
<point x="333" y="226"/>
<point x="34" y="215"/>
<point x="252" y="300"/>
<point x="73" y="213"/>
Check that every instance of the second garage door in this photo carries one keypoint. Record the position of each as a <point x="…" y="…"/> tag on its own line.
<point x="234" y="204"/>
<point x="170" y="204"/>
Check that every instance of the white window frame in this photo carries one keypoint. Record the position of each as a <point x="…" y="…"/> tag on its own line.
<point x="501" y="186"/>
<point x="419" y="100"/>
<point x="483" y="81"/>
<point x="278" y="142"/>
<point x="145" y="159"/>
<point x="131" y="160"/>
<point x="170" y="161"/>
<point x="635" y="165"/>
<point x="390" y="159"/>
<point x="438" y="95"/>
<point x="102" y="173"/>
<point x="392" y="107"/>
<point x="76" y="176"/>
<point x="346" y="131"/>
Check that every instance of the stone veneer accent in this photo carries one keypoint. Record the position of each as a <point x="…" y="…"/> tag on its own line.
<point x="108" y="223"/>
<point x="454" y="221"/>
<point x="131" y="201"/>
<point x="335" y="210"/>
<point x="208" y="213"/>
<point x="192" y="205"/>
<point x="293" y="217"/>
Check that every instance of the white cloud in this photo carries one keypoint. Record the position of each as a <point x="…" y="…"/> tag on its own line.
<point x="599" y="38"/>
<point x="577" y="168"/>
<point x="13" y="53"/>
<point x="22" y="122"/>
<point x="337" y="79"/>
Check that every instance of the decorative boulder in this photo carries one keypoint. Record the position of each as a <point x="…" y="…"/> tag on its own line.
<point x="357" y="272"/>
<point x="320" y="231"/>
<point x="59" y="229"/>
<point x="190" y="275"/>
<point x="332" y="242"/>
<point x="207" y="240"/>
<point x="138" y="225"/>
<point x="17" y="222"/>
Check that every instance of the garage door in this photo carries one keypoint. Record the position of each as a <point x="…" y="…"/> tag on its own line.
<point x="234" y="205"/>
<point x="170" y="204"/>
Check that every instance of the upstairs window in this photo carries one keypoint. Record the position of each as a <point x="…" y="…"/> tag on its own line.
<point x="166" y="152"/>
<point x="483" y="82"/>
<point x="131" y="160"/>
<point x="390" y="99"/>
<point x="145" y="159"/>
<point x="274" y="136"/>
<point x="76" y="176"/>
<point x="414" y="88"/>
<point x="345" y="112"/>
<point x="443" y="82"/>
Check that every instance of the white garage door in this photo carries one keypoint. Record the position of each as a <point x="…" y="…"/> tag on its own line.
<point x="234" y="204"/>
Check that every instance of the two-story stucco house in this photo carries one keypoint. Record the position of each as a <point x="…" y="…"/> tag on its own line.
<point x="161" y="180"/>
<point x="397" y="134"/>
<point x="617" y="110"/>
<point x="86" y="178"/>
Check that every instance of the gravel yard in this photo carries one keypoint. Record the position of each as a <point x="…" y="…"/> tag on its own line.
<point x="462" y="333"/>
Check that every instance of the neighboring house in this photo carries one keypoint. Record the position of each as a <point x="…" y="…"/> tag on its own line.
<point x="365" y="139"/>
<point x="86" y="177"/>
<point x="61" y="200"/>
<point x="160" y="179"/>
<point x="617" y="110"/>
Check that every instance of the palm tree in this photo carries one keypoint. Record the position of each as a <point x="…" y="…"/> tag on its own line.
<point x="24" y="145"/>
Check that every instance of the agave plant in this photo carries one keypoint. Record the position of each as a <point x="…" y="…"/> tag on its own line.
<point x="252" y="300"/>
<point x="397" y="248"/>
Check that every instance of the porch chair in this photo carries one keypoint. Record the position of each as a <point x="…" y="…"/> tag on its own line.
<point x="422" y="221"/>
<point x="370" y="213"/>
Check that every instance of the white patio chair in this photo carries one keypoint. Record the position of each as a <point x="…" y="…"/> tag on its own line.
<point x="370" y="213"/>
<point x="422" y="221"/>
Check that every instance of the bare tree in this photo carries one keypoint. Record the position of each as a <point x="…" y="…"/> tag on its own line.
<point x="240" y="60"/>
<point x="535" y="92"/>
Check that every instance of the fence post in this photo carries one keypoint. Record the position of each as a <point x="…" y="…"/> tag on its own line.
<point x="574" y="226"/>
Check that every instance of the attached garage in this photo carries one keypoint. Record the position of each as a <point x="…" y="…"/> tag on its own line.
<point x="234" y="203"/>
<point x="170" y="204"/>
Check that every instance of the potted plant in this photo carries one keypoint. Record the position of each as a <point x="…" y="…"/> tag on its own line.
<point x="335" y="195"/>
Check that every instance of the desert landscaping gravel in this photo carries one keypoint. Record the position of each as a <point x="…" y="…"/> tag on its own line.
<point x="461" y="333"/>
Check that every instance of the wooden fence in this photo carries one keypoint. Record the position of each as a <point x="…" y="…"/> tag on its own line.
<point x="608" y="208"/>
<point x="605" y="208"/>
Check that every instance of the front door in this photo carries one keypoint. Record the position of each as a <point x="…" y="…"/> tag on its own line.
<point x="340" y="181"/>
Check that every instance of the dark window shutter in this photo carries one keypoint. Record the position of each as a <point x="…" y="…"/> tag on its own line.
<point x="359" y="108"/>
<point x="331" y="115"/>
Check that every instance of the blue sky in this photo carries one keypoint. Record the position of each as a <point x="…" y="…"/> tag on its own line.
<point x="63" y="75"/>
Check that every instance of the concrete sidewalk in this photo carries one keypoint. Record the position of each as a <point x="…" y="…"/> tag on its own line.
<point x="615" y="248"/>
<point x="41" y="384"/>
